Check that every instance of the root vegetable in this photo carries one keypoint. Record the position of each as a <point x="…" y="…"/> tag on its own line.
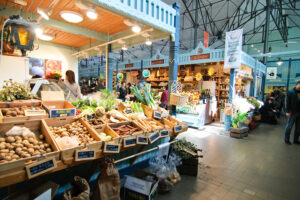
<point x="10" y="139"/>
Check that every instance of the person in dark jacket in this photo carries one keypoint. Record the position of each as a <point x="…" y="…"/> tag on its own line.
<point x="268" y="112"/>
<point x="293" y="113"/>
<point x="123" y="91"/>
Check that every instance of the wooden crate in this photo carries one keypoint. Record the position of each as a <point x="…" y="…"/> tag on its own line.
<point x="68" y="155"/>
<point x="4" y="119"/>
<point x="36" y="127"/>
<point x="19" y="103"/>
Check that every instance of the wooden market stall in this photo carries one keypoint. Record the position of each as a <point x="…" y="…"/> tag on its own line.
<point x="119" y="24"/>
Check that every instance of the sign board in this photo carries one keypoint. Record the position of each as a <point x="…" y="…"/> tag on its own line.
<point x="157" y="62"/>
<point x="233" y="49"/>
<point x="206" y="39"/>
<point x="142" y="140"/>
<point x="119" y="76"/>
<point x="146" y="73"/>
<point x="129" y="142"/>
<point x="157" y="115"/>
<point x="164" y="133"/>
<point x="154" y="136"/>
<point x="228" y="109"/>
<point x="200" y="56"/>
<point x="41" y="167"/>
<point x="177" y="128"/>
<point x="85" y="155"/>
<point x="111" y="148"/>
<point x="129" y="65"/>
<point x="271" y="73"/>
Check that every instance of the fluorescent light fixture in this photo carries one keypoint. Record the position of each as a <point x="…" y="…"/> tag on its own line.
<point x="148" y="42"/>
<point x="38" y="31"/>
<point x="92" y="14"/>
<point x="252" y="45"/>
<point x="45" y="37"/>
<point x="136" y="29"/>
<point x="43" y="13"/>
<point x="124" y="48"/>
<point x="71" y="16"/>
<point x="279" y="62"/>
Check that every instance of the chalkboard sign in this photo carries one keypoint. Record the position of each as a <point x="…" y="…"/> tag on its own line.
<point x="164" y="133"/>
<point x="111" y="148"/>
<point x="157" y="115"/>
<point x="85" y="155"/>
<point x="41" y="167"/>
<point x="154" y="137"/>
<point x="129" y="142"/>
<point x="177" y="128"/>
<point x="142" y="140"/>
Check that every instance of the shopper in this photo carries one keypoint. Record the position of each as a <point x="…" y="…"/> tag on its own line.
<point x="128" y="88"/>
<point x="293" y="113"/>
<point x="123" y="91"/>
<point x="268" y="112"/>
<point x="164" y="98"/>
<point x="72" y="85"/>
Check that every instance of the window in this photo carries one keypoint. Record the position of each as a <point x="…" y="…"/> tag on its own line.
<point x="142" y="5"/>
<point x="147" y="7"/>
<point x="152" y="9"/>
<point x="167" y="17"/>
<point x="157" y="12"/>
<point x="162" y="14"/>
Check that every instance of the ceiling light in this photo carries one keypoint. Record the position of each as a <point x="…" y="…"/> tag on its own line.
<point x="252" y="45"/>
<point x="92" y="14"/>
<point x="38" y="31"/>
<point x="124" y="48"/>
<point x="258" y="51"/>
<point x="71" y="16"/>
<point x="43" y="13"/>
<point x="279" y="62"/>
<point x="45" y="37"/>
<point x="136" y="29"/>
<point x="148" y="42"/>
<point x="128" y="22"/>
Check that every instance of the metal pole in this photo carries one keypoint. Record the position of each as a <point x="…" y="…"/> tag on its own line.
<point x="173" y="55"/>
<point x="109" y="67"/>
<point x="288" y="77"/>
<point x="196" y="24"/>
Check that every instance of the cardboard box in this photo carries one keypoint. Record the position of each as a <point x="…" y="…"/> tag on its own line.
<point x="136" y="188"/>
<point x="55" y="104"/>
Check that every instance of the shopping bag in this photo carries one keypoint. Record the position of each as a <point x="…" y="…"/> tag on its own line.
<point x="80" y="190"/>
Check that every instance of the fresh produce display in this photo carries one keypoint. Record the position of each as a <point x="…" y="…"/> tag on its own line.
<point x="107" y="99"/>
<point x="115" y="116"/>
<point x="144" y="95"/>
<point x="125" y="129"/>
<point x="71" y="135"/>
<point x="104" y="137"/>
<point x="20" y="142"/>
<point x="15" y="91"/>
<point x="17" y="112"/>
<point x="184" y="149"/>
<point x="148" y="125"/>
<point x="255" y="102"/>
<point x="95" y="121"/>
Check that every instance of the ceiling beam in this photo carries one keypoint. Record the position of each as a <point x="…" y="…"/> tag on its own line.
<point x="63" y="26"/>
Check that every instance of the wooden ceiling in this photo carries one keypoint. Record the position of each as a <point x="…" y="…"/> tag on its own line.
<point x="106" y="23"/>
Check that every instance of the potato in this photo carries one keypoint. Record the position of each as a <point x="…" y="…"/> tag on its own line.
<point x="25" y="142"/>
<point x="41" y="136"/>
<point x="42" y="146"/>
<point x="36" y="146"/>
<point x="2" y="146"/>
<point x="48" y="150"/>
<point x="15" y="157"/>
<point x="46" y="145"/>
<point x="2" y="139"/>
<point x="12" y="152"/>
<point x="31" y="140"/>
<point x="4" y="150"/>
<point x="19" y="141"/>
<point x="27" y="155"/>
<point x="8" y="158"/>
<point x="18" y="137"/>
<point x="11" y="147"/>
<point x="10" y="139"/>
<point x="29" y="146"/>
<point x="2" y="156"/>
<point x="31" y="150"/>
<point x="14" y="113"/>
<point x="35" y="142"/>
<point x="40" y="143"/>
<point x="18" y="149"/>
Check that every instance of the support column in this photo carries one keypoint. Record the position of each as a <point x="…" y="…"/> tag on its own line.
<point x="228" y="118"/>
<point x="253" y="83"/>
<point x="109" y="67"/>
<point x="117" y="71"/>
<point x="288" y="76"/>
<point x="196" y="25"/>
<point x="266" y="42"/>
<point x="173" y="54"/>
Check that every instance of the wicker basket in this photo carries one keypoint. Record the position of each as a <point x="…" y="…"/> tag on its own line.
<point x="178" y="100"/>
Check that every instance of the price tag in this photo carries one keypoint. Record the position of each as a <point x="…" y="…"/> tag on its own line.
<point x="128" y="111"/>
<point x="157" y="115"/>
<point x="85" y="155"/>
<point x="153" y="137"/>
<point x="129" y="142"/>
<point x="111" y="148"/>
<point x="164" y="133"/>
<point x="41" y="167"/>
<point x="142" y="140"/>
<point x="177" y="128"/>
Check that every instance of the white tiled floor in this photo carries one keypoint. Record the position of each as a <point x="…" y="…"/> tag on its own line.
<point x="258" y="167"/>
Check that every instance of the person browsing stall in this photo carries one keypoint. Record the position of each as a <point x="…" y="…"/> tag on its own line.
<point x="123" y="91"/>
<point x="72" y="85"/>
<point x="293" y="114"/>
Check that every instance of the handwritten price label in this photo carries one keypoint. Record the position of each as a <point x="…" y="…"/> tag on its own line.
<point x="41" y="167"/>
<point x="155" y="136"/>
<point x="85" y="155"/>
<point x="111" y="148"/>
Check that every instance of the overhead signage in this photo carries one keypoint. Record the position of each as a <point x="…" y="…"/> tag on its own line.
<point x="129" y="65"/>
<point x="146" y="73"/>
<point x="200" y="56"/>
<point x="233" y="49"/>
<point x="120" y="76"/>
<point x="157" y="62"/>
<point x="206" y="39"/>
<point x="271" y="73"/>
